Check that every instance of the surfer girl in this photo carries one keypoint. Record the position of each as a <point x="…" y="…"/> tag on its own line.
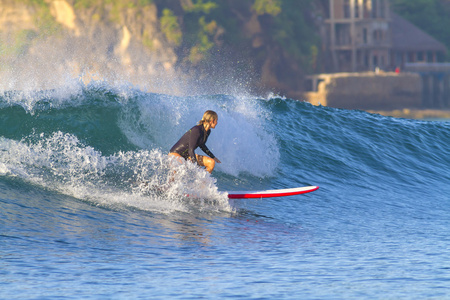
<point x="197" y="137"/>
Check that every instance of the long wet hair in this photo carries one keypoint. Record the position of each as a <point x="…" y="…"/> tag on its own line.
<point x="208" y="116"/>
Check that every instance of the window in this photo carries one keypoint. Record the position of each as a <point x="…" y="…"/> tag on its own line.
<point x="347" y="9"/>
<point x="420" y="56"/>
<point x="382" y="8"/>
<point x="375" y="36"/>
<point x="375" y="61"/>
<point x="398" y="59"/>
<point x="374" y="9"/>
<point x="366" y="10"/>
<point x="366" y="60"/>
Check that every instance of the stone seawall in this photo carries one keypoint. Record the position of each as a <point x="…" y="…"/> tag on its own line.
<point x="366" y="91"/>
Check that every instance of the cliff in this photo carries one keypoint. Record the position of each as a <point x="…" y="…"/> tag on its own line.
<point x="174" y="47"/>
<point x="46" y="44"/>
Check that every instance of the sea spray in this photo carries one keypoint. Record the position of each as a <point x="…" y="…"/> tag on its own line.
<point x="142" y="179"/>
<point x="122" y="118"/>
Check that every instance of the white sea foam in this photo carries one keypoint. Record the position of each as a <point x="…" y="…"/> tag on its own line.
<point x="146" y="180"/>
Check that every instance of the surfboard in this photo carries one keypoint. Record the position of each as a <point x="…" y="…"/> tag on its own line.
<point x="271" y="193"/>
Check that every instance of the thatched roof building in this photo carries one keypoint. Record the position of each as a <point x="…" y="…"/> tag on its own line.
<point x="411" y="44"/>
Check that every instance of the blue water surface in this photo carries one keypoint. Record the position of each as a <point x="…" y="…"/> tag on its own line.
<point x="83" y="215"/>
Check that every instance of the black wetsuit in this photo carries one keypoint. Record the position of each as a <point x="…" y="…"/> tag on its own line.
<point x="195" y="137"/>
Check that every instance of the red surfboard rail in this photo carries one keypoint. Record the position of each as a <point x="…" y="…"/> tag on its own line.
<point x="271" y="193"/>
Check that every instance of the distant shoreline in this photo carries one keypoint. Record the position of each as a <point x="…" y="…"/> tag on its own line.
<point x="414" y="113"/>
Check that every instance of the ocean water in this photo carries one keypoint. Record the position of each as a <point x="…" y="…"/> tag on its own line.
<point x="91" y="207"/>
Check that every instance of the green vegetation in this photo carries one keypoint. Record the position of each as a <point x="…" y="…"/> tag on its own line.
<point x="114" y="7"/>
<point x="43" y="18"/>
<point x="170" y="27"/>
<point x="204" y="43"/>
<point x="198" y="7"/>
<point x="21" y="41"/>
<point x="20" y="44"/>
<point x="84" y="3"/>
<point x="46" y="22"/>
<point x="115" y="4"/>
<point x="271" y="7"/>
<point x="147" y="40"/>
<point x="34" y="2"/>
<point x="209" y="25"/>
<point x="144" y="2"/>
<point x="197" y="28"/>
<point x="296" y="34"/>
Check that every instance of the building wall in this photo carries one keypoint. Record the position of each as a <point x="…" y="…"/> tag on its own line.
<point x="359" y="34"/>
<point x="366" y="91"/>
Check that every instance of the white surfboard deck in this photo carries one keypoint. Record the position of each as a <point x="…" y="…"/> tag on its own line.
<point x="271" y="193"/>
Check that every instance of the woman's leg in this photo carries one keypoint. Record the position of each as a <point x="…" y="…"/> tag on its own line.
<point x="206" y="162"/>
<point x="203" y="161"/>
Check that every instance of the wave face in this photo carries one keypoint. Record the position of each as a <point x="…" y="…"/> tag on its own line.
<point x="108" y="145"/>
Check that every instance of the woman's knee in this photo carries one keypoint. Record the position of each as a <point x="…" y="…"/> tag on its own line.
<point x="207" y="162"/>
<point x="210" y="164"/>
